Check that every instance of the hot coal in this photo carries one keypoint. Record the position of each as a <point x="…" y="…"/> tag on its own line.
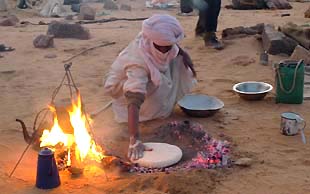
<point x="200" y="150"/>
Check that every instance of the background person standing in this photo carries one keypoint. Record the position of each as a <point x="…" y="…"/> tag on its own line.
<point x="208" y="18"/>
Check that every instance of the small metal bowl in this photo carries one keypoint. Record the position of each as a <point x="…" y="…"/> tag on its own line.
<point x="252" y="90"/>
<point x="198" y="105"/>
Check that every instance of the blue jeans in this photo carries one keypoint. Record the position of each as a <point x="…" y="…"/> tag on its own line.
<point x="209" y="11"/>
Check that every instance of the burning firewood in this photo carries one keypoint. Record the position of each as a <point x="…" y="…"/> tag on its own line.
<point x="113" y="162"/>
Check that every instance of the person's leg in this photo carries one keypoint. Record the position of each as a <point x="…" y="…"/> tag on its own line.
<point x="211" y="24"/>
<point x="22" y="4"/>
<point x="186" y="6"/>
<point x="202" y="6"/>
<point x="212" y="15"/>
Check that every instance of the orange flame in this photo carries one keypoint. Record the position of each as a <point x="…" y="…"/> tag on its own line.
<point x="85" y="146"/>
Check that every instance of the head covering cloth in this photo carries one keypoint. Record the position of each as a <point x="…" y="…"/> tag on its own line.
<point x="163" y="30"/>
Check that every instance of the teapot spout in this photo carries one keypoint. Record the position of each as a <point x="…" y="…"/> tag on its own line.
<point x="27" y="137"/>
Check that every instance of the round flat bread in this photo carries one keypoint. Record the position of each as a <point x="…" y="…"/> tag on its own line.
<point x="162" y="155"/>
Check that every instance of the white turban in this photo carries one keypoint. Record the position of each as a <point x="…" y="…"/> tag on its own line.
<point x="163" y="30"/>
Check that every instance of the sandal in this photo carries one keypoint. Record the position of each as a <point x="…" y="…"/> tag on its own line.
<point x="4" y="48"/>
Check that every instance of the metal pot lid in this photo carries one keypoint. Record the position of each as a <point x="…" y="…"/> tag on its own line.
<point x="200" y="102"/>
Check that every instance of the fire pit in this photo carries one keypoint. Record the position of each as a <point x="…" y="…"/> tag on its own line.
<point x="69" y="135"/>
<point x="71" y="138"/>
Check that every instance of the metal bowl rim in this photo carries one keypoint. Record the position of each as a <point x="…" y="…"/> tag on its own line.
<point x="263" y="83"/>
<point x="209" y="109"/>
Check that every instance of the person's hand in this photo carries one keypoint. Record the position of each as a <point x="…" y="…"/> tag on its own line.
<point x="136" y="149"/>
<point x="187" y="61"/>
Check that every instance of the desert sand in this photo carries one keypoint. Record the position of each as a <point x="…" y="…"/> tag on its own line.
<point x="27" y="79"/>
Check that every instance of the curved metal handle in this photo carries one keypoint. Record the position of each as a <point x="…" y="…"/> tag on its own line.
<point x="294" y="80"/>
<point x="299" y="121"/>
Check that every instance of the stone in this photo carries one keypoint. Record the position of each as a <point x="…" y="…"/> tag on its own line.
<point x="10" y="20"/>
<point x="110" y="5"/>
<point x="300" y="33"/>
<point x="275" y="42"/>
<point x="43" y="41"/>
<point x="125" y="7"/>
<point x="69" y="17"/>
<point x="244" y="162"/>
<point x="87" y="13"/>
<point x="235" y="32"/>
<point x="66" y="30"/>
<point x="7" y="71"/>
<point x="278" y="4"/>
<point x="301" y="53"/>
<point x="248" y="4"/>
<point x="3" y="5"/>
<point x="307" y="13"/>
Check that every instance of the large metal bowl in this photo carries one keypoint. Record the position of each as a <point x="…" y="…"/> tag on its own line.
<point x="252" y="90"/>
<point x="199" y="105"/>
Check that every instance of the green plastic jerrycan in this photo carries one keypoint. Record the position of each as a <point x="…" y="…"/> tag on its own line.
<point x="290" y="82"/>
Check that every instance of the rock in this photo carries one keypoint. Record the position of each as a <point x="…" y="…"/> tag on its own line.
<point x="50" y="56"/>
<point x="110" y="5"/>
<point x="43" y="41"/>
<point x="87" y="13"/>
<point x="3" y="5"/>
<point x="235" y="32"/>
<point x="275" y="42"/>
<point x="244" y="162"/>
<point x="278" y="4"/>
<point x="301" y="53"/>
<point x="248" y="4"/>
<point x="300" y="33"/>
<point x="125" y="7"/>
<point x="69" y="17"/>
<point x="10" y="20"/>
<point x="65" y="30"/>
<point x="307" y="13"/>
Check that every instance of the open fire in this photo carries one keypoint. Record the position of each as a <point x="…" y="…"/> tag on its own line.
<point x="79" y="146"/>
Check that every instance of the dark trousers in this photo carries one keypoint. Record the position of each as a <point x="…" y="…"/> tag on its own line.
<point x="22" y="4"/>
<point x="209" y="11"/>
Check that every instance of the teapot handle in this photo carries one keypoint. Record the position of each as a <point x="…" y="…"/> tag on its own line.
<point x="299" y="121"/>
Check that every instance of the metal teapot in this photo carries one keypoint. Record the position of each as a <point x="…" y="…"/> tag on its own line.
<point x="34" y="138"/>
<point x="61" y="108"/>
<point x="47" y="172"/>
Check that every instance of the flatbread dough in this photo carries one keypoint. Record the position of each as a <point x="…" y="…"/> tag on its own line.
<point x="162" y="155"/>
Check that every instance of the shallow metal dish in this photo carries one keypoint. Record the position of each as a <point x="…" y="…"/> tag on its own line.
<point x="199" y="105"/>
<point x="252" y="90"/>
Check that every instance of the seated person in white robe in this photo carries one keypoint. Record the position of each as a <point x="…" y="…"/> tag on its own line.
<point x="149" y="77"/>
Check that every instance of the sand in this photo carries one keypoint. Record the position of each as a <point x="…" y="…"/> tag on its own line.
<point x="27" y="79"/>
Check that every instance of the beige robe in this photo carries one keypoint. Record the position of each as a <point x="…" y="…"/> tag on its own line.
<point x="129" y="73"/>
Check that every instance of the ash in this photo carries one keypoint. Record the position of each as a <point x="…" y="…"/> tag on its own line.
<point x="200" y="150"/>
